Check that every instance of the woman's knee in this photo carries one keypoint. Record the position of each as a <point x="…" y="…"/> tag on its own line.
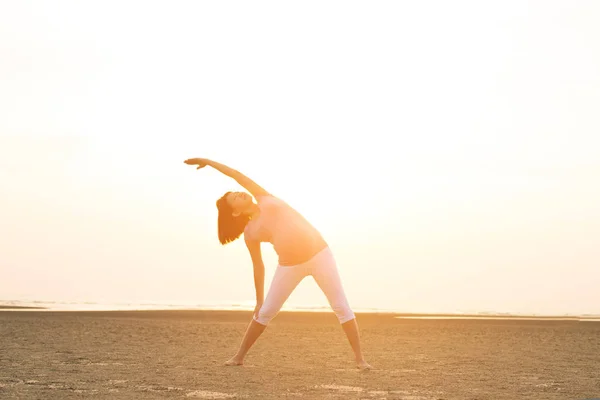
<point x="343" y="313"/>
<point x="265" y="316"/>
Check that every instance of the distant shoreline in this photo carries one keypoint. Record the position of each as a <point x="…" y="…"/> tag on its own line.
<point x="398" y="315"/>
<point x="9" y="307"/>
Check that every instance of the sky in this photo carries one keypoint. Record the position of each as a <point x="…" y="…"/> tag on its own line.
<point x="449" y="152"/>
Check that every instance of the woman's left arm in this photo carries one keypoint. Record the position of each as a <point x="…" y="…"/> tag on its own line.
<point x="259" y="272"/>
<point x="247" y="183"/>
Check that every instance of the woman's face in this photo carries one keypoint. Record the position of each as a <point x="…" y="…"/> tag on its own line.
<point x="239" y="202"/>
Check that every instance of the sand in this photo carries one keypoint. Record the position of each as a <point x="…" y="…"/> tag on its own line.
<point x="179" y="355"/>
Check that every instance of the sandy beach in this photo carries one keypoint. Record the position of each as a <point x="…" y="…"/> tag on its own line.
<point x="179" y="355"/>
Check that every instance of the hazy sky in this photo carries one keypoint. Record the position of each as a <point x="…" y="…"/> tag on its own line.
<point x="448" y="151"/>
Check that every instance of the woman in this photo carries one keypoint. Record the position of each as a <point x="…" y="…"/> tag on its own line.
<point x="300" y="247"/>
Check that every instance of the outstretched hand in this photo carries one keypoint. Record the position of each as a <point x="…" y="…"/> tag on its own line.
<point x="257" y="309"/>
<point x="200" y="162"/>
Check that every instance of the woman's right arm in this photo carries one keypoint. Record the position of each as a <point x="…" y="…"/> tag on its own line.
<point x="259" y="270"/>
<point x="247" y="183"/>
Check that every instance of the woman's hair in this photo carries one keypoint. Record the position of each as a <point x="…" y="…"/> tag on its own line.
<point x="230" y="227"/>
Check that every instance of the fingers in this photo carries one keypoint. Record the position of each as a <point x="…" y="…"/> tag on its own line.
<point x="256" y="311"/>
<point x="195" y="161"/>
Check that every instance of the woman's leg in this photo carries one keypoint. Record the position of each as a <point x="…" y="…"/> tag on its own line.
<point x="283" y="284"/>
<point x="253" y="332"/>
<point x="328" y="278"/>
<point x="351" y="330"/>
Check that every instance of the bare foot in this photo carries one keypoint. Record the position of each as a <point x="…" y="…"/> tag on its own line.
<point x="363" y="365"/>
<point x="234" y="361"/>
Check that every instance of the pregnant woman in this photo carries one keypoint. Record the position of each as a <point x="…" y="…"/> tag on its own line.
<point x="300" y="247"/>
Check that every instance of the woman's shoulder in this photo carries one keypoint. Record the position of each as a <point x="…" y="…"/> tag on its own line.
<point x="250" y="228"/>
<point x="268" y="200"/>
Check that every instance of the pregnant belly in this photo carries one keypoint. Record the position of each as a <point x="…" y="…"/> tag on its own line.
<point x="296" y="253"/>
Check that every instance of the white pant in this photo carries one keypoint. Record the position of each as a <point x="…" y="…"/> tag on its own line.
<point x="324" y="270"/>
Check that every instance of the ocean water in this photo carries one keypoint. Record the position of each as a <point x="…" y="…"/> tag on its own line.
<point x="51" y="305"/>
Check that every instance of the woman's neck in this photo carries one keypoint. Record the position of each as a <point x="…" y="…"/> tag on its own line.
<point x="253" y="211"/>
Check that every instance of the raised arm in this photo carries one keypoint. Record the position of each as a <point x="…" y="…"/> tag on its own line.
<point x="259" y="272"/>
<point x="243" y="180"/>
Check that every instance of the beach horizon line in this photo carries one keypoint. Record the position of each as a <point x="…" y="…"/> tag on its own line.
<point x="395" y="314"/>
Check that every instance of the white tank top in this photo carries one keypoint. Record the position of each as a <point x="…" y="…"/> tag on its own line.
<point x="294" y="239"/>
